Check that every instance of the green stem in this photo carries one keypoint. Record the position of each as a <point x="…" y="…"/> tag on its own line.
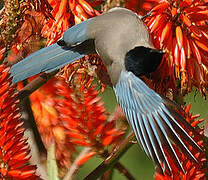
<point x="110" y="161"/>
<point x="51" y="163"/>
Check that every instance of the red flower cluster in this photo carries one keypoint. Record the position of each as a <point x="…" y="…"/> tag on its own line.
<point x="141" y="6"/>
<point x="14" y="149"/>
<point x="50" y="124"/>
<point x="2" y="50"/>
<point x="193" y="170"/>
<point x="65" y="14"/>
<point x="87" y="121"/>
<point x="180" y="28"/>
<point x="73" y="115"/>
<point x="28" y="37"/>
<point x="20" y="24"/>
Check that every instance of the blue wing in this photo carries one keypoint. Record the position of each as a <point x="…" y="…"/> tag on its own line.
<point x="153" y="124"/>
<point x="50" y="58"/>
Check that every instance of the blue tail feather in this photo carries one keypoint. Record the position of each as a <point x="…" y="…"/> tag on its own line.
<point x="75" y="45"/>
<point x="46" y="59"/>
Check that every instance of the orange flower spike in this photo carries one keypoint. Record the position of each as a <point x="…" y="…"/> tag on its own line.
<point x="155" y="23"/>
<point x="80" y="13"/>
<point x="205" y="12"/>
<point x="107" y="140"/>
<point x="183" y="60"/>
<point x="190" y="34"/>
<point x="75" y="135"/>
<point x="179" y="37"/>
<point x="194" y="116"/>
<point x="195" y="123"/>
<point x="160" y="7"/>
<point x="186" y="3"/>
<point x="168" y="44"/>
<point x="4" y="75"/>
<point x="85" y="158"/>
<point x="204" y="34"/>
<point x="97" y="13"/>
<point x="187" y="109"/>
<point x="95" y="3"/>
<point x="196" y="33"/>
<point x="14" y="150"/>
<point x="197" y="74"/>
<point x="186" y="20"/>
<point x="162" y="24"/>
<point x="176" y="52"/>
<point x="196" y="52"/>
<point x="2" y="50"/>
<point x="187" y="47"/>
<point x="72" y="4"/>
<point x="173" y="11"/>
<point x="166" y="31"/>
<point x="87" y="8"/>
<point x="62" y="9"/>
<point x="201" y="45"/>
<point x="4" y="88"/>
<point x="81" y="143"/>
<point x="149" y="22"/>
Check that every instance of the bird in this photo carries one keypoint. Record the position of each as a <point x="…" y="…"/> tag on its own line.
<point x="122" y="41"/>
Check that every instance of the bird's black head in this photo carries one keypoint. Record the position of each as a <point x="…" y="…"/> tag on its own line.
<point x="142" y="60"/>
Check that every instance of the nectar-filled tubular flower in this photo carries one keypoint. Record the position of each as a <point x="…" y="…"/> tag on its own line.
<point x="180" y="29"/>
<point x="14" y="149"/>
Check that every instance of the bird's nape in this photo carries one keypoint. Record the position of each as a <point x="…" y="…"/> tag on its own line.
<point x="143" y="60"/>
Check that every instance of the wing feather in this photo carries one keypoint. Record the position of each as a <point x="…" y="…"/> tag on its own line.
<point x="155" y="124"/>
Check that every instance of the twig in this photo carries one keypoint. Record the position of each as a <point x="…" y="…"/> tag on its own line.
<point x="124" y="171"/>
<point x="35" y="84"/>
<point x="74" y="167"/>
<point x="112" y="160"/>
<point x="205" y="140"/>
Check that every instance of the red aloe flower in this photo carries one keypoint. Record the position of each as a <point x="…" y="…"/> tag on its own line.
<point x="19" y="24"/>
<point x="50" y="124"/>
<point x="147" y="5"/>
<point x="180" y="28"/>
<point x="193" y="170"/>
<point x="86" y="119"/>
<point x="28" y="37"/>
<point x="2" y="50"/>
<point x="65" y="13"/>
<point x="14" y="149"/>
<point x="73" y="115"/>
<point x="142" y="6"/>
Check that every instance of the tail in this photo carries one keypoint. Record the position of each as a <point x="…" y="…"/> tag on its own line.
<point x="48" y="59"/>
<point x="74" y="45"/>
